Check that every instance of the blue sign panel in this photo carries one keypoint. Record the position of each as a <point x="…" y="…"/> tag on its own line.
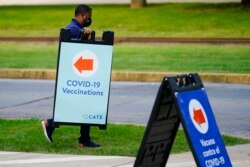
<point x="201" y="128"/>
<point x="83" y="83"/>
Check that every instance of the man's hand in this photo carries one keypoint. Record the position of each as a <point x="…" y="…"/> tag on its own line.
<point x="87" y="31"/>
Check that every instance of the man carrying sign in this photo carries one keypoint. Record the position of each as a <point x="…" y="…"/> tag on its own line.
<point x="78" y="29"/>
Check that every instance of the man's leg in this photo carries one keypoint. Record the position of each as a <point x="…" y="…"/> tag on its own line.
<point x="48" y="129"/>
<point x="84" y="139"/>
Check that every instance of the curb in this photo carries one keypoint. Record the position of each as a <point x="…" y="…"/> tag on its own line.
<point x="143" y="40"/>
<point x="128" y="76"/>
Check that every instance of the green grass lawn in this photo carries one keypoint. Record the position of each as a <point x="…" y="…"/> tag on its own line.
<point x="158" y="20"/>
<point x="139" y="57"/>
<point x="27" y="136"/>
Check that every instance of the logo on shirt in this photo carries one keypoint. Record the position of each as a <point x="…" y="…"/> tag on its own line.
<point x="85" y="64"/>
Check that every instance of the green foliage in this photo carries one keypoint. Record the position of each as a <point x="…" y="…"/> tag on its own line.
<point x="27" y="136"/>
<point x="28" y="55"/>
<point x="183" y="58"/>
<point x="158" y="20"/>
<point x="140" y="57"/>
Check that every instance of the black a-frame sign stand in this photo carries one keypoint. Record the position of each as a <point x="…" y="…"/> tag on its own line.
<point x="182" y="99"/>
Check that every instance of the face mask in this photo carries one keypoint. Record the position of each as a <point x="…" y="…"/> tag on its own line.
<point x="87" y="23"/>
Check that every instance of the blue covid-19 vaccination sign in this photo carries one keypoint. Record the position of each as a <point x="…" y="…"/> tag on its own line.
<point x="83" y="83"/>
<point x="201" y="128"/>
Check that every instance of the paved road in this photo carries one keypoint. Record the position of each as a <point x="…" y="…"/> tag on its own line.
<point x="130" y="102"/>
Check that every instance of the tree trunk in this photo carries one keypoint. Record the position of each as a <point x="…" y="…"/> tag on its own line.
<point x="245" y="2"/>
<point x="138" y="3"/>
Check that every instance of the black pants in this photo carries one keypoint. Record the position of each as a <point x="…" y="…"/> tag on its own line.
<point x="84" y="131"/>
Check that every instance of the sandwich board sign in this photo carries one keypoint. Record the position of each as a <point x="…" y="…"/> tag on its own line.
<point x="182" y="99"/>
<point x="83" y="80"/>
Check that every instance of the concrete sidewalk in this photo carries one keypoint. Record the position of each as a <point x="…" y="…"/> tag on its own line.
<point x="239" y="155"/>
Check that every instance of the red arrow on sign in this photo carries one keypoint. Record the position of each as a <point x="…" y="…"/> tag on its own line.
<point x="199" y="117"/>
<point x="84" y="64"/>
